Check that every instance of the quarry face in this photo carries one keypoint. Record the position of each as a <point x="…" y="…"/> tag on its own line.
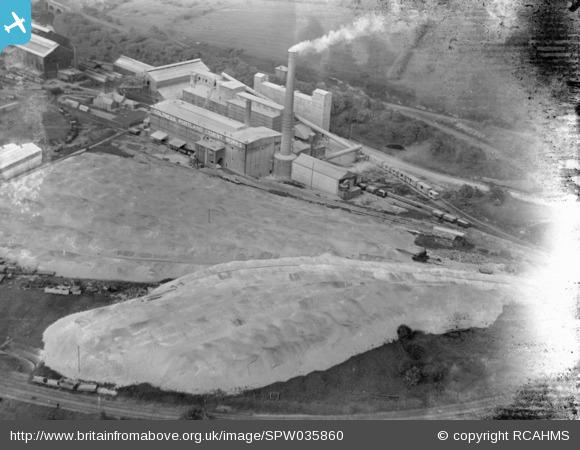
<point x="244" y="325"/>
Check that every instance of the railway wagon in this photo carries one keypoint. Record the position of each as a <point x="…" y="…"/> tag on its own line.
<point x="52" y="382"/>
<point x="107" y="392"/>
<point x="463" y="223"/>
<point x="39" y="380"/>
<point x="437" y="213"/>
<point x="433" y="194"/>
<point x="449" y="218"/>
<point x="68" y="384"/>
<point x="422" y="186"/>
<point x="87" y="387"/>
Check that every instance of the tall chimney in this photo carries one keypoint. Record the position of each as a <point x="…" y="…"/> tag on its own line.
<point x="283" y="159"/>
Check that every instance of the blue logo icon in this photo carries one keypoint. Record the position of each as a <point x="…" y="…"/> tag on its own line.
<point x="15" y="22"/>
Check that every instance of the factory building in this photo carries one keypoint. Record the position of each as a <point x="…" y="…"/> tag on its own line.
<point x="169" y="81"/>
<point x="324" y="176"/>
<point x="216" y="139"/>
<point x="315" y="108"/>
<point x="129" y="66"/>
<point x="43" y="56"/>
<point x="17" y="159"/>
<point x="229" y="98"/>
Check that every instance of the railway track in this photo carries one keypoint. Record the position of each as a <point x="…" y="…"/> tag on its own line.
<point x="15" y="386"/>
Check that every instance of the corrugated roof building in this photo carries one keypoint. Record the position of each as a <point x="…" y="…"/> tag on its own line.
<point x="169" y="81"/>
<point x="44" y="56"/>
<point x="129" y="66"/>
<point x="322" y="176"/>
<point x="17" y="159"/>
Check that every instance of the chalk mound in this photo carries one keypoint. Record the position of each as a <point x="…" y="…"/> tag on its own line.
<point x="248" y="324"/>
<point x="101" y="216"/>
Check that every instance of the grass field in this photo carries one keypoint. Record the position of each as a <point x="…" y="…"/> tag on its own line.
<point x="260" y="27"/>
<point x="25" y="313"/>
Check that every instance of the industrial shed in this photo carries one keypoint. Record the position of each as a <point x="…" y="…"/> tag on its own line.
<point x="44" y="56"/>
<point x="324" y="176"/>
<point x="170" y="80"/>
<point x="17" y="159"/>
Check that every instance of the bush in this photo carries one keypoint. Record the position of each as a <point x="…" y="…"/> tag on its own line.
<point x="412" y="376"/>
<point x="404" y="332"/>
<point x="415" y="351"/>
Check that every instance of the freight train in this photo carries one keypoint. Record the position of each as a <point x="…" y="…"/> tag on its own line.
<point x="413" y="181"/>
<point x="68" y="384"/>
<point x="380" y="190"/>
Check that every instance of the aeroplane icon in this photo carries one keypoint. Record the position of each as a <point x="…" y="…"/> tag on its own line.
<point x="18" y="22"/>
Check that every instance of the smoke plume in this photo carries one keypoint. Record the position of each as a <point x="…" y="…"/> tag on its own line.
<point x="364" y="25"/>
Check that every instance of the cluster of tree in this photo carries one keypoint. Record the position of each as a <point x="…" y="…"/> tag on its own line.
<point x="467" y="194"/>
<point x="419" y="367"/>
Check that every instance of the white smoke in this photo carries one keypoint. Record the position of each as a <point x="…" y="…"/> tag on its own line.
<point x="364" y="25"/>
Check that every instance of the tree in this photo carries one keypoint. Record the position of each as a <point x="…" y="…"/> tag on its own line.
<point x="404" y="332"/>
<point x="412" y="376"/>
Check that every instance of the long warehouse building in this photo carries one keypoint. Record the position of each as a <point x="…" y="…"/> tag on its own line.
<point x="216" y="139"/>
<point x="17" y="159"/>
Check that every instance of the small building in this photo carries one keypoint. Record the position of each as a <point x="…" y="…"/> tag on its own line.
<point x="210" y="152"/>
<point x="324" y="176"/>
<point x="129" y="66"/>
<point x="176" y="144"/>
<point x="18" y="159"/>
<point x="44" y="56"/>
<point x="105" y="102"/>
<point x="158" y="136"/>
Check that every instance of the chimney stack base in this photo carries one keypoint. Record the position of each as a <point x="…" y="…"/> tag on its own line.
<point x="283" y="165"/>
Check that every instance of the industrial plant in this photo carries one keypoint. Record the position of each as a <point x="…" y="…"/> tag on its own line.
<point x="181" y="228"/>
